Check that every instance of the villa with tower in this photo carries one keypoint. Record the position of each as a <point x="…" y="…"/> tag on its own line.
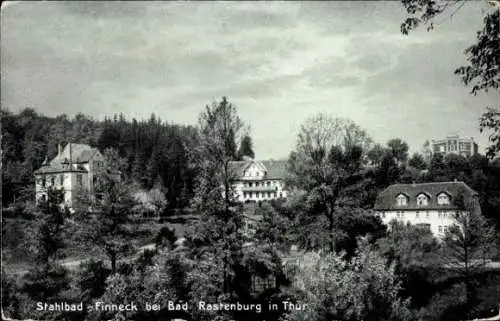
<point x="72" y="170"/>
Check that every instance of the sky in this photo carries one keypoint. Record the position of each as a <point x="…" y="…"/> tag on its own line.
<point x="277" y="62"/>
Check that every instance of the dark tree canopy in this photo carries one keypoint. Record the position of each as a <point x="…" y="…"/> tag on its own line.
<point x="246" y="148"/>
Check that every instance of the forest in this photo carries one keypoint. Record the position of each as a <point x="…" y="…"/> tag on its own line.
<point x="322" y="246"/>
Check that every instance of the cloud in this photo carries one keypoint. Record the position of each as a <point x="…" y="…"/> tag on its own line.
<point x="278" y="62"/>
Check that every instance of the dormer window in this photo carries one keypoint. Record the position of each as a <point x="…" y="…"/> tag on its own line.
<point x="443" y="199"/>
<point x="422" y="200"/>
<point x="401" y="200"/>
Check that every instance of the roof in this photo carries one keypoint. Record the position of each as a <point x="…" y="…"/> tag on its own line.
<point x="59" y="168"/>
<point x="387" y="198"/>
<point x="80" y="153"/>
<point x="276" y="169"/>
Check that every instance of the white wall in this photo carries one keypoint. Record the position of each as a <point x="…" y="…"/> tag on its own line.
<point x="277" y="186"/>
<point x="432" y="217"/>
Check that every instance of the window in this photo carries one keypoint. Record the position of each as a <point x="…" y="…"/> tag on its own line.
<point x="268" y="194"/>
<point x="424" y="225"/>
<point x="53" y="181"/>
<point x="79" y="179"/>
<point x="422" y="200"/>
<point x="256" y="184"/>
<point x="61" y="179"/>
<point x="257" y="174"/>
<point x="443" y="199"/>
<point x="245" y="194"/>
<point x="417" y="214"/>
<point x="440" y="228"/>
<point x="268" y="183"/>
<point x="401" y="200"/>
<point x="427" y="214"/>
<point x="44" y="181"/>
<point x="250" y="184"/>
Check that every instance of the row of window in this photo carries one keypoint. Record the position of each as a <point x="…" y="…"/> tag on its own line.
<point x="263" y="184"/>
<point x="253" y="174"/>
<point x="422" y="200"/>
<point x="59" y="179"/>
<point x="260" y="194"/>
<point x="401" y="214"/>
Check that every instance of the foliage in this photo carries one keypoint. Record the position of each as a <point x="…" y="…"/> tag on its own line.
<point x="415" y="254"/>
<point x="273" y="229"/>
<point x="399" y="150"/>
<point x="362" y="289"/>
<point x="483" y="70"/>
<point x="467" y="244"/>
<point x="105" y="223"/>
<point x="332" y="178"/>
<point x="154" y="151"/>
<point x="246" y="148"/>
<point x="51" y="219"/>
<point x="417" y="161"/>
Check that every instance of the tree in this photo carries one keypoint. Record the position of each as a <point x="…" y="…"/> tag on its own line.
<point x="218" y="233"/>
<point x="415" y="254"/>
<point x="417" y="161"/>
<point x="273" y="229"/>
<point x="467" y="244"/>
<point x="324" y="165"/>
<point x="47" y="279"/>
<point x="50" y="235"/>
<point x="246" y="148"/>
<point x="363" y="289"/>
<point x="399" y="149"/>
<point x="107" y="223"/>
<point x="376" y="154"/>
<point x="483" y="70"/>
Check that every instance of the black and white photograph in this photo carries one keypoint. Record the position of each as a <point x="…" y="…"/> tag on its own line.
<point x="250" y="160"/>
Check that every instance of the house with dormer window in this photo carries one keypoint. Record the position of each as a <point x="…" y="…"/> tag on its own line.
<point x="255" y="180"/>
<point x="430" y="205"/>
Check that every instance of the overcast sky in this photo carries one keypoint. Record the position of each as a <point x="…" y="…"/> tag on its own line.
<point x="278" y="62"/>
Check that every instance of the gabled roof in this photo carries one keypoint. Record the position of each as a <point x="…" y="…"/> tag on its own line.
<point x="80" y="153"/>
<point x="387" y="198"/>
<point x="276" y="169"/>
<point x="59" y="168"/>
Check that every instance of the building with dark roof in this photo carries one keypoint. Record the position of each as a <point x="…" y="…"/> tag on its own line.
<point x="255" y="180"/>
<point x="73" y="169"/>
<point x="429" y="204"/>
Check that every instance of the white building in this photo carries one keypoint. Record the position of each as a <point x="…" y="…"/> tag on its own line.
<point x="429" y="204"/>
<point x="454" y="144"/>
<point x="259" y="180"/>
<point x="72" y="170"/>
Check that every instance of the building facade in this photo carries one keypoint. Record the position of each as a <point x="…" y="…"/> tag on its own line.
<point x="430" y="205"/>
<point x="454" y="145"/>
<point x="259" y="180"/>
<point x="72" y="170"/>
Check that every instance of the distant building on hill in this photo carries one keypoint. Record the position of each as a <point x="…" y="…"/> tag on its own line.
<point x="72" y="170"/>
<point x="259" y="180"/>
<point x="431" y="205"/>
<point x="454" y="145"/>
